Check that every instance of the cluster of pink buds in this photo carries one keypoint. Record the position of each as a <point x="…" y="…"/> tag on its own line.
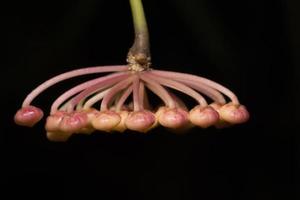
<point x="123" y="103"/>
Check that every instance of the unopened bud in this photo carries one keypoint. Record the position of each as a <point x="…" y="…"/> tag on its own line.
<point x="221" y="123"/>
<point x="74" y="122"/>
<point x="235" y="114"/>
<point x="172" y="117"/>
<point x="204" y="116"/>
<point x="121" y="127"/>
<point x="53" y="121"/>
<point x="106" y="121"/>
<point x="28" y="116"/>
<point x="140" y="121"/>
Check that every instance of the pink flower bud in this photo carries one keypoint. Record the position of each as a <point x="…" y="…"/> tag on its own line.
<point x="91" y="114"/>
<point x="140" y="121"/>
<point x="221" y="123"/>
<point x="73" y="122"/>
<point x="204" y="116"/>
<point x="53" y="121"/>
<point x="106" y="121"/>
<point x="172" y="117"/>
<point x="235" y="114"/>
<point x="58" y="136"/>
<point x="121" y="127"/>
<point x="28" y="116"/>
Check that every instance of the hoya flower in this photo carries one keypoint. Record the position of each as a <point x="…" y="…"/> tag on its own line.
<point x="124" y="101"/>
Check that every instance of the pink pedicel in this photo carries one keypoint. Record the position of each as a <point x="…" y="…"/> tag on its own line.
<point x="140" y="121"/>
<point x="172" y="117"/>
<point x="203" y="116"/>
<point x="28" y="116"/>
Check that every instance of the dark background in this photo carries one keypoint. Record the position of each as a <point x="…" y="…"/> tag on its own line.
<point x="250" y="46"/>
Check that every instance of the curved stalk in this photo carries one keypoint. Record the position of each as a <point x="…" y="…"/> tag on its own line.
<point x="67" y="75"/>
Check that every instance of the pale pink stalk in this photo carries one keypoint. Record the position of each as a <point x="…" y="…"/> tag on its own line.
<point x="215" y="95"/>
<point x="159" y="91"/>
<point x="79" y="106"/>
<point x="200" y="80"/>
<point x="203" y="88"/>
<point x="180" y="87"/>
<point x="68" y="75"/>
<point x="89" y="103"/>
<point x="71" y="92"/>
<point x="142" y="96"/>
<point x="105" y="82"/>
<point x="178" y="101"/>
<point x="115" y="90"/>
<point x="136" y="96"/>
<point x="123" y="98"/>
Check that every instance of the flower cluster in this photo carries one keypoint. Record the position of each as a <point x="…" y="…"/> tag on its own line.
<point x="124" y="103"/>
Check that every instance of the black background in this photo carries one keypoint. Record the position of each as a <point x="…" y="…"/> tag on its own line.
<point x="250" y="46"/>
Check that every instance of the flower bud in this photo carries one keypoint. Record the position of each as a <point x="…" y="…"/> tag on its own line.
<point x="121" y="127"/>
<point x="106" y="121"/>
<point x="73" y="122"/>
<point x="140" y="121"/>
<point x="91" y="114"/>
<point x="53" y="121"/>
<point x="235" y="114"/>
<point x="221" y="123"/>
<point x="172" y="117"/>
<point x="203" y="116"/>
<point x="28" y="116"/>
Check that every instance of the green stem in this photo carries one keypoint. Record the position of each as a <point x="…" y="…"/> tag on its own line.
<point x="138" y="15"/>
<point x="139" y="54"/>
